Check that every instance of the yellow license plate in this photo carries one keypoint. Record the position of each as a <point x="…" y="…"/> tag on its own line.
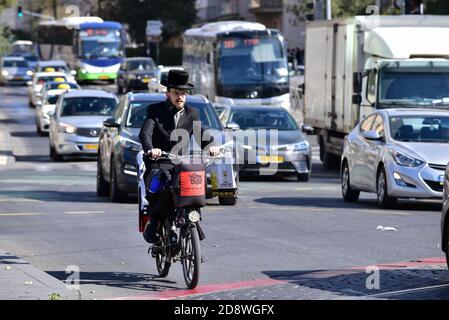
<point x="145" y="80"/>
<point x="18" y="78"/>
<point x="104" y="77"/>
<point x="91" y="146"/>
<point x="271" y="159"/>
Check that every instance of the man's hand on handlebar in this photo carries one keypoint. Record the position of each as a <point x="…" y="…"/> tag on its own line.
<point x="154" y="153"/>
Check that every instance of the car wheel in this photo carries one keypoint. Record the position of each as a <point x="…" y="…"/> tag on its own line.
<point x="383" y="199"/>
<point x="349" y="194"/>
<point x="54" y="155"/>
<point x="328" y="159"/>
<point x="303" y="177"/>
<point x="224" y="201"/>
<point x="115" y="193"/>
<point x="103" y="187"/>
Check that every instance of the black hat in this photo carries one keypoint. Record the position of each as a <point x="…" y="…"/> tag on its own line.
<point x="177" y="79"/>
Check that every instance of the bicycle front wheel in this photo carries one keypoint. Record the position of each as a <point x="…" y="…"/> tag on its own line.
<point x="191" y="257"/>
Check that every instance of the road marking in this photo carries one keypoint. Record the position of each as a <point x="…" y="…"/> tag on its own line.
<point x="19" y="200"/>
<point x="19" y="214"/>
<point x="407" y="291"/>
<point x="205" y="289"/>
<point x="84" y="212"/>
<point x="3" y="161"/>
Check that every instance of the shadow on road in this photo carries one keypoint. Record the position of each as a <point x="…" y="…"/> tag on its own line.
<point x="400" y="284"/>
<point x="321" y="202"/>
<point x="123" y="280"/>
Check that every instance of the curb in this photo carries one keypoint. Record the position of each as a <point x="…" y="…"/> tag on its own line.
<point x="6" y="154"/>
<point x="19" y="280"/>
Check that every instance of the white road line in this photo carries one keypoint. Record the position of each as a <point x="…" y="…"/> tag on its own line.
<point x="3" y="161"/>
<point x="83" y="212"/>
<point x="19" y="214"/>
<point x="407" y="291"/>
<point x="19" y="200"/>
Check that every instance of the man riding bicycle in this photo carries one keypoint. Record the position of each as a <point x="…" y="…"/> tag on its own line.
<point x="168" y="127"/>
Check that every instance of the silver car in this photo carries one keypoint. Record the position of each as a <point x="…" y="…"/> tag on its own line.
<point x="14" y="70"/>
<point x="76" y="124"/>
<point x="396" y="153"/>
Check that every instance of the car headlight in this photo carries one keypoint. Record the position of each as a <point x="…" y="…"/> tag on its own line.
<point x="405" y="160"/>
<point x="84" y="71"/>
<point x="5" y="73"/>
<point x="30" y="73"/>
<point x="130" y="144"/>
<point x="298" y="146"/>
<point x="67" y="128"/>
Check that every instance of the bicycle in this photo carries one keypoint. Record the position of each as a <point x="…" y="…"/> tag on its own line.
<point x="178" y="234"/>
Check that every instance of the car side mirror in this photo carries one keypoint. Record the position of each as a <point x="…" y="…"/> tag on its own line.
<point x="307" y="129"/>
<point x="232" y="126"/>
<point x="111" y="123"/>
<point x="357" y="80"/>
<point x="372" y="135"/>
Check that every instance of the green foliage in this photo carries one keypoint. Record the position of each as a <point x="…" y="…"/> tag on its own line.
<point x="348" y="8"/>
<point x="176" y="16"/>
<point x="54" y="296"/>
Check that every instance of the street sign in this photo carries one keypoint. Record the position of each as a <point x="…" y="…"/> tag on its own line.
<point x="154" y="28"/>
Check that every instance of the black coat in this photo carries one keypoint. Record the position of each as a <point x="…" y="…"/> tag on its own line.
<point x="160" y="124"/>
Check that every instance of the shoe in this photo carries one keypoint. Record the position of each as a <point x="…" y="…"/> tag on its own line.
<point x="149" y="232"/>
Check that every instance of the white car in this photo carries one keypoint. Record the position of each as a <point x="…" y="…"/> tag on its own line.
<point x="46" y="109"/>
<point x="56" y="66"/>
<point x="76" y="124"/>
<point x="39" y="80"/>
<point x="396" y="153"/>
<point x="161" y="73"/>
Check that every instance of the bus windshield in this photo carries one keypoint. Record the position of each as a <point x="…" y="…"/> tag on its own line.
<point x="250" y="61"/>
<point x="100" y="43"/>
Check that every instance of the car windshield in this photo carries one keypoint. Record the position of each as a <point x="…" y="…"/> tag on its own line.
<point x="57" y="85"/>
<point x="263" y="119"/>
<point x="141" y="65"/>
<point x="88" y="106"/>
<point x="420" y="128"/>
<point x="15" y="64"/>
<point x="31" y="58"/>
<point x="55" y="68"/>
<point x="45" y="79"/>
<point x="414" y="88"/>
<point x="138" y="114"/>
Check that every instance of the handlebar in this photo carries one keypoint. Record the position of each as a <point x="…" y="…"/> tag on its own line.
<point x="171" y="156"/>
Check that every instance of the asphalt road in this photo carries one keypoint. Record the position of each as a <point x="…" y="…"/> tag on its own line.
<point x="283" y="240"/>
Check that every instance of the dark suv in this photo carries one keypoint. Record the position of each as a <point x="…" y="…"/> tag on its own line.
<point x="119" y="142"/>
<point x="135" y="74"/>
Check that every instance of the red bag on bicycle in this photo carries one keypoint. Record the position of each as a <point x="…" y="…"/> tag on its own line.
<point x="189" y="182"/>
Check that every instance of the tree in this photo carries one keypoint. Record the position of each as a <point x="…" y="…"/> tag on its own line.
<point x="436" y="7"/>
<point x="176" y="16"/>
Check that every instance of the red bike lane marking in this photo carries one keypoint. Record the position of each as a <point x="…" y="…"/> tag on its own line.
<point x="319" y="274"/>
<point x="205" y="289"/>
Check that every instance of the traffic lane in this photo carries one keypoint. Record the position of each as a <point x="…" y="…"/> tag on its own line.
<point x="68" y="225"/>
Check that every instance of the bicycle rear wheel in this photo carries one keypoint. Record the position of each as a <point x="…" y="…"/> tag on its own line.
<point x="191" y="257"/>
<point x="163" y="256"/>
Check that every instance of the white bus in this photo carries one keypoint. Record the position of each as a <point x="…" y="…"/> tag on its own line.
<point x="89" y="45"/>
<point x="238" y="62"/>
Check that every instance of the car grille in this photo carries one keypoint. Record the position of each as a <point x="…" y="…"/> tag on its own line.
<point x="437" y="166"/>
<point x="88" y="132"/>
<point x="434" y="185"/>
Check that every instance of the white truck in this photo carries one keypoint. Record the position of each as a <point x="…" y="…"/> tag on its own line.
<point x="356" y="65"/>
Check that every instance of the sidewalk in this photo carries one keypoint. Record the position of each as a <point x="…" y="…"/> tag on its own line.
<point x="19" y="280"/>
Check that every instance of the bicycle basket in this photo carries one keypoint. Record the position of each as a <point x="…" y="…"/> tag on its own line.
<point x="189" y="181"/>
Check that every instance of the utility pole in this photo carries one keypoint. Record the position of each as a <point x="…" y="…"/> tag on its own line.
<point x="328" y="9"/>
